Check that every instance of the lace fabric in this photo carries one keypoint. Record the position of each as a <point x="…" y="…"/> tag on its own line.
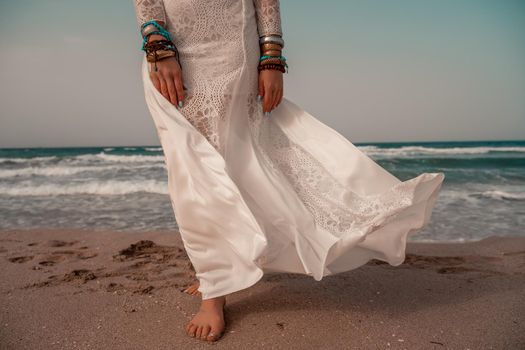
<point x="268" y="17"/>
<point x="334" y="206"/>
<point x="147" y="10"/>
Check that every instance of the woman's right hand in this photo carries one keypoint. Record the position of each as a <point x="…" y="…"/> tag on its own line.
<point x="168" y="77"/>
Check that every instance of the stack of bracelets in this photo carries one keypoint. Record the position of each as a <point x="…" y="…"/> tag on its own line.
<point x="157" y="50"/>
<point x="271" y="58"/>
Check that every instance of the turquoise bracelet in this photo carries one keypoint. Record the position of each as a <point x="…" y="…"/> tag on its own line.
<point x="282" y="58"/>
<point x="161" y="31"/>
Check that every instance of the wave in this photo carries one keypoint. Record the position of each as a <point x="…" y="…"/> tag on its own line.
<point x="448" y="196"/>
<point x="111" y="187"/>
<point x="68" y="170"/>
<point x="121" y="158"/>
<point x="495" y="194"/>
<point x="25" y="160"/>
<point x="421" y="150"/>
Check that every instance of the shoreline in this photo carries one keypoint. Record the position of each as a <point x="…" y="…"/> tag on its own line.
<point x="78" y="288"/>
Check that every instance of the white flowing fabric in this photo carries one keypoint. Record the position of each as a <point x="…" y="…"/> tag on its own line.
<point x="254" y="194"/>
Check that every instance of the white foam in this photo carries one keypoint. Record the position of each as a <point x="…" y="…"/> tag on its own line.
<point x="121" y="158"/>
<point x="421" y="150"/>
<point x="111" y="187"/>
<point x="496" y="194"/>
<point x="68" y="170"/>
<point x="25" y="160"/>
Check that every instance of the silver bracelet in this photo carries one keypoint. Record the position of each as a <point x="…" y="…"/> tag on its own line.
<point x="150" y="28"/>
<point x="271" y="39"/>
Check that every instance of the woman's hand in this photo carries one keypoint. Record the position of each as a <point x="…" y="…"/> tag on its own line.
<point x="270" y="88"/>
<point x="168" y="78"/>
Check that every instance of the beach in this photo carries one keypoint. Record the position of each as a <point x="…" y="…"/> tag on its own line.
<point x="101" y="289"/>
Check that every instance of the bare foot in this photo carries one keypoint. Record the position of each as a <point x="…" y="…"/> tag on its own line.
<point x="208" y="324"/>
<point x="193" y="289"/>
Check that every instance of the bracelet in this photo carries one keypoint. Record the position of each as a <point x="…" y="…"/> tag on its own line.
<point x="271" y="53"/>
<point x="271" y="62"/>
<point x="146" y="31"/>
<point x="279" y="67"/>
<point x="160" y="55"/>
<point x="273" y="59"/>
<point x="271" y="39"/>
<point x="157" y="50"/>
<point x="271" y="46"/>
<point x="282" y="58"/>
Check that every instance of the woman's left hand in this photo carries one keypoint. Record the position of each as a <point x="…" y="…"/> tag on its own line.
<point x="270" y="88"/>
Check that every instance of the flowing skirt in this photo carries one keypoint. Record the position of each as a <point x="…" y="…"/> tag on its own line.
<point x="286" y="193"/>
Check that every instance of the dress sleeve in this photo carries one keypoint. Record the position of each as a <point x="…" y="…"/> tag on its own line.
<point x="268" y="17"/>
<point x="147" y="10"/>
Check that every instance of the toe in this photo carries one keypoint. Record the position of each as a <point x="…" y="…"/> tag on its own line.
<point x="198" y="332"/>
<point x="187" y="327"/>
<point x="192" y="330"/>
<point x="205" y="332"/>
<point x="214" y="334"/>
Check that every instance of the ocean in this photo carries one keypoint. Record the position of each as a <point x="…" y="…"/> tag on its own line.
<point x="125" y="188"/>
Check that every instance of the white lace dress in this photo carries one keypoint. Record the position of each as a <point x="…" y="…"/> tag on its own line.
<point x="254" y="194"/>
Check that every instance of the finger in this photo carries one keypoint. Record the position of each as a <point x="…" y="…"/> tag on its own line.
<point x="268" y="99"/>
<point x="155" y="80"/>
<point x="261" y="87"/>
<point x="275" y="98"/>
<point x="171" y="90"/>
<point x="164" y="88"/>
<point x="179" y="88"/>
<point x="279" y="97"/>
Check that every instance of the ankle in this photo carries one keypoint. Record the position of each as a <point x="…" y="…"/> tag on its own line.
<point x="213" y="302"/>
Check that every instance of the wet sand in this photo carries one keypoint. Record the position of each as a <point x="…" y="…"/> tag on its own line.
<point x="80" y="289"/>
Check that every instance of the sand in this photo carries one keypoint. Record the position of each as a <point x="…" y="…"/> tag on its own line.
<point x="80" y="289"/>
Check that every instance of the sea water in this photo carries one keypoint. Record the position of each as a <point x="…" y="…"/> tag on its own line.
<point x="125" y="188"/>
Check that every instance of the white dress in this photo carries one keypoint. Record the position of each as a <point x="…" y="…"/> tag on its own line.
<point x="253" y="194"/>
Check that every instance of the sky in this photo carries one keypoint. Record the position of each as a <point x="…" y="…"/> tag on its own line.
<point x="374" y="70"/>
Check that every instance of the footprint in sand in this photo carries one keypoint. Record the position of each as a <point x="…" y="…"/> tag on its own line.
<point x="59" y="243"/>
<point x="63" y="255"/>
<point x="21" y="259"/>
<point x="147" y="266"/>
<point x="51" y="260"/>
<point x="143" y="267"/>
<point x="78" y="276"/>
<point x="447" y="264"/>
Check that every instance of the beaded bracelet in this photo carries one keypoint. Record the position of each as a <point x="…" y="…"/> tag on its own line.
<point x="279" y="67"/>
<point x="284" y="64"/>
<point x="271" y="61"/>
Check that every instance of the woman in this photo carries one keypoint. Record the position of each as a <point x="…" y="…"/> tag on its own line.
<point x="257" y="184"/>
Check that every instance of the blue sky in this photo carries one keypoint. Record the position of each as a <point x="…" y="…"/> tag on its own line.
<point x="375" y="70"/>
